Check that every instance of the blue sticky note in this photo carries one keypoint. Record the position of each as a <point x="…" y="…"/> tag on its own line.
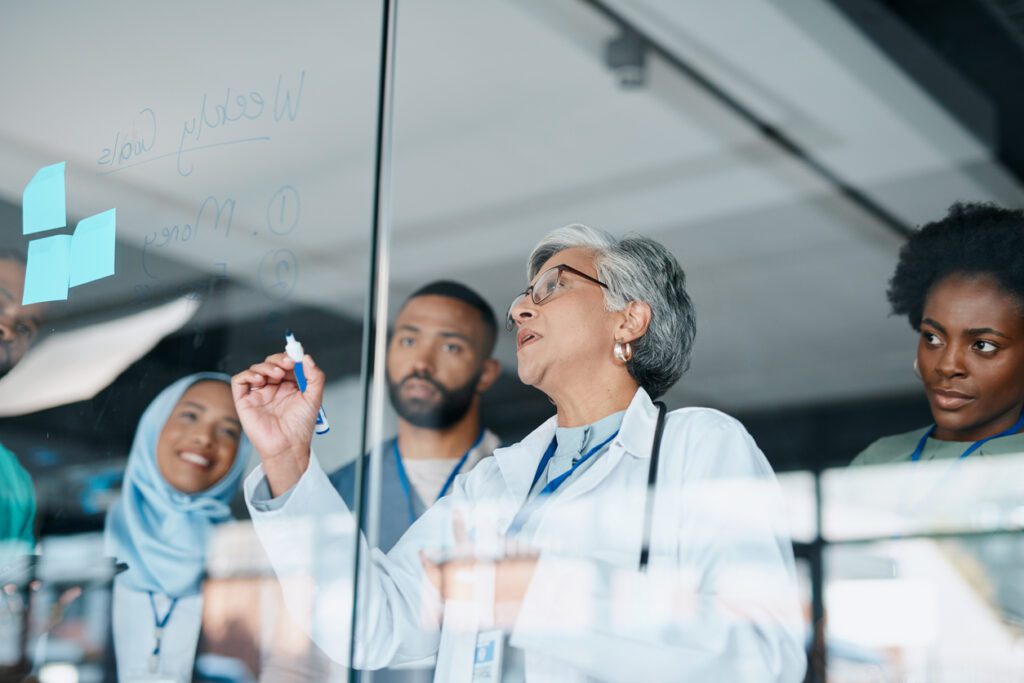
<point x="42" y="202"/>
<point x="47" y="270"/>
<point x="92" y="248"/>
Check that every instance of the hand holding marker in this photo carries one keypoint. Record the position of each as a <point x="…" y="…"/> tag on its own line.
<point x="294" y="350"/>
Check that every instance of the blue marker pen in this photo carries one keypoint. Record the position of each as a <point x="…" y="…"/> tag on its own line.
<point x="294" y="350"/>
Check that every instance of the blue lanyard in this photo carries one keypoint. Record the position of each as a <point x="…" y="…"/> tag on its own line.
<point x="524" y="514"/>
<point x="158" y="630"/>
<point x="404" y="479"/>
<point x="1017" y="426"/>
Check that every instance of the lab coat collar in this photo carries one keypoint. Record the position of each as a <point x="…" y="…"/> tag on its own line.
<point x="518" y="462"/>
<point x="637" y="431"/>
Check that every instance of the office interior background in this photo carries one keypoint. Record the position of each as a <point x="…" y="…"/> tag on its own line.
<point x="782" y="150"/>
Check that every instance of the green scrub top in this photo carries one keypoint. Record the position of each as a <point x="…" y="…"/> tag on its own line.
<point x="17" y="501"/>
<point x="899" y="448"/>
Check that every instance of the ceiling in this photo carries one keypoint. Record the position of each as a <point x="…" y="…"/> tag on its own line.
<point x="507" y="123"/>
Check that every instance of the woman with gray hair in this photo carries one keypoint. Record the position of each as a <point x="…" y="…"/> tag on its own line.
<point x="615" y="542"/>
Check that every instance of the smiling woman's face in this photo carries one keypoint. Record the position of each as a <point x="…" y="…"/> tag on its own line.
<point x="971" y="358"/>
<point x="199" y="441"/>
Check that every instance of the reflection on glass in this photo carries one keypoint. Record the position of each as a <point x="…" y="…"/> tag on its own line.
<point x="56" y="610"/>
<point x="944" y="604"/>
<point x="924" y="610"/>
<point x="801" y="504"/>
<point x="939" y="497"/>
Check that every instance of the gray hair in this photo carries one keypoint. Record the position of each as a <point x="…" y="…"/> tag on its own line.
<point x="636" y="268"/>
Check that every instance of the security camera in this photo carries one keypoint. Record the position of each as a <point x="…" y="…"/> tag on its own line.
<point x="626" y="56"/>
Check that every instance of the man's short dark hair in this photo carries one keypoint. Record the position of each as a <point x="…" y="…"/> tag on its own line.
<point x="973" y="239"/>
<point x="10" y="254"/>
<point x="460" y="292"/>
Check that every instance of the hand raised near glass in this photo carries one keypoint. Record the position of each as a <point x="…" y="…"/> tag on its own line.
<point x="277" y="417"/>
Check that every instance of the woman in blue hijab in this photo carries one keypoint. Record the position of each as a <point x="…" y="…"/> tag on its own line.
<point x="185" y="466"/>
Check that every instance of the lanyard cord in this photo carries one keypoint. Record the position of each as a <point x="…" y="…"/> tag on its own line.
<point x="553" y="485"/>
<point x="1017" y="426"/>
<point x="652" y="479"/>
<point x="158" y="629"/>
<point x="404" y="479"/>
<point x="524" y="514"/>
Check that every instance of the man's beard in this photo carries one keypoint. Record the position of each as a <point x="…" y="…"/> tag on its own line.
<point x="449" y="408"/>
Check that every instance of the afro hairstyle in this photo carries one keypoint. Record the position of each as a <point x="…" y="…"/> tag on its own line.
<point x="973" y="239"/>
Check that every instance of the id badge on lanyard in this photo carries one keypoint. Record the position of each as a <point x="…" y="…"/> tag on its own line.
<point x="487" y="658"/>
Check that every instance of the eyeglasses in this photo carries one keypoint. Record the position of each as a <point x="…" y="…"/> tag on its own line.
<point x="544" y="288"/>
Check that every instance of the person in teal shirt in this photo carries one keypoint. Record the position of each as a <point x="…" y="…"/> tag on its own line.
<point x="17" y="503"/>
<point x="19" y="327"/>
<point x="960" y="282"/>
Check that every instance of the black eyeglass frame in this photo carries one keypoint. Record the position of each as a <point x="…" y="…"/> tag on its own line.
<point x="531" y="292"/>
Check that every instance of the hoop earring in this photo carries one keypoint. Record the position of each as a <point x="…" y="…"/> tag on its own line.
<point x="623" y="351"/>
<point x="917" y="370"/>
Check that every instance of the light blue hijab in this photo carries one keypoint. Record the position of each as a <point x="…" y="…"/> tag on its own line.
<point x="160" y="532"/>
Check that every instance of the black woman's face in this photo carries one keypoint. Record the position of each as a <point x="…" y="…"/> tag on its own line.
<point x="971" y="357"/>
<point x="18" y="324"/>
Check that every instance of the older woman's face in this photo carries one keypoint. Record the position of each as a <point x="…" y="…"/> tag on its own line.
<point x="971" y="358"/>
<point x="569" y="334"/>
<point x="199" y="441"/>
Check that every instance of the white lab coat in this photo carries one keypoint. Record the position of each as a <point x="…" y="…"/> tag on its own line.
<point x="718" y="602"/>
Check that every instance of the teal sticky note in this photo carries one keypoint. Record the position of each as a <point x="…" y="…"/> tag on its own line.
<point x="42" y="202"/>
<point x="92" y="248"/>
<point x="47" y="270"/>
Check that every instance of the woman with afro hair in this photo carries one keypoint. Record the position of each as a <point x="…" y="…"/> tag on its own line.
<point x="960" y="282"/>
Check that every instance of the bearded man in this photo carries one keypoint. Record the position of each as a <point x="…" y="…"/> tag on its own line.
<point x="438" y="364"/>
